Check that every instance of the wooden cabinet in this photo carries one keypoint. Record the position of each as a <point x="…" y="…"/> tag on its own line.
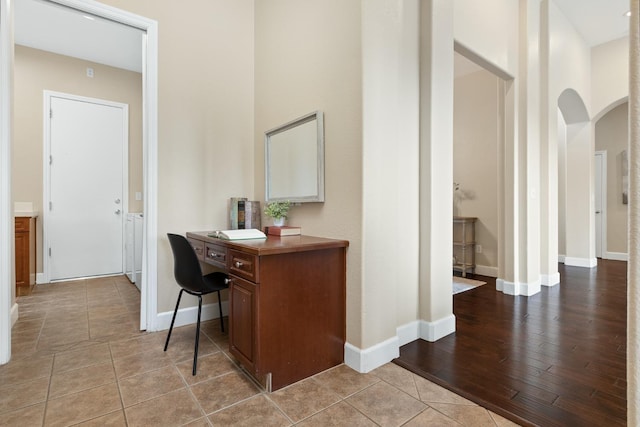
<point x="25" y="254"/>
<point x="287" y="299"/>
<point x="464" y="244"/>
<point x="242" y="308"/>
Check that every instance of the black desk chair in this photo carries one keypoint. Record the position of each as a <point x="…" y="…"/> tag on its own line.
<point x="188" y="274"/>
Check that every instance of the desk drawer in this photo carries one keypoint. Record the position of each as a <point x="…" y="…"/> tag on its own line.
<point x="215" y="255"/>
<point x="198" y="247"/>
<point x="244" y="265"/>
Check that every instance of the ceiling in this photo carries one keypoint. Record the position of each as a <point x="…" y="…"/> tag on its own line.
<point x="598" y="21"/>
<point x="47" y="26"/>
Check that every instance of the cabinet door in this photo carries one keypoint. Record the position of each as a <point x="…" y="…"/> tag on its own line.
<point x="242" y="320"/>
<point x="22" y="258"/>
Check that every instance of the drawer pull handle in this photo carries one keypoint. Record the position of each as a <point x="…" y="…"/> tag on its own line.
<point x="228" y="281"/>
<point x="239" y="264"/>
<point x="214" y="255"/>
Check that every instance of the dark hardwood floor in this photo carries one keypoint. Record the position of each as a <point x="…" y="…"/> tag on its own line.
<point x="557" y="358"/>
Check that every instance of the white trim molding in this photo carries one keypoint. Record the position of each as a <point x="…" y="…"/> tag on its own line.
<point x="580" y="262"/>
<point x="485" y="270"/>
<point x="6" y="208"/>
<point x="518" y="288"/>
<point x="149" y="286"/>
<point x="616" y="256"/>
<point x="433" y="331"/>
<point x="373" y="357"/>
<point x="550" y="279"/>
<point x="189" y="315"/>
<point x="366" y="360"/>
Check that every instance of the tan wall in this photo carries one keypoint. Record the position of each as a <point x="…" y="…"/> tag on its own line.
<point x="308" y="58"/>
<point x="611" y="135"/>
<point x="37" y="71"/>
<point x="475" y="158"/>
<point x="205" y="118"/>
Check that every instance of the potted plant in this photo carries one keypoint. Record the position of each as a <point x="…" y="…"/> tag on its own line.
<point x="278" y="211"/>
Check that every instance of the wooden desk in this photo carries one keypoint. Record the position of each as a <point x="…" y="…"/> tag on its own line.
<point x="287" y="303"/>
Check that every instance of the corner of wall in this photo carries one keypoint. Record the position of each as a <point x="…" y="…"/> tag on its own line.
<point x="366" y="360"/>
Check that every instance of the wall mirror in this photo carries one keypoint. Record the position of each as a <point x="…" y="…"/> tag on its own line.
<point x="294" y="160"/>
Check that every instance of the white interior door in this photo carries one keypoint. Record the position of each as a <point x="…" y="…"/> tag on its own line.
<point x="84" y="222"/>
<point x="600" y="201"/>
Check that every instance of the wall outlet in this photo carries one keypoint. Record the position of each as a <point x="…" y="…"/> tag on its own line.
<point x="478" y="249"/>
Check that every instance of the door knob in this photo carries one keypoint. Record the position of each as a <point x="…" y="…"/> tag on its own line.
<point x="117" y="211"/>
<point x="117" y="201"/>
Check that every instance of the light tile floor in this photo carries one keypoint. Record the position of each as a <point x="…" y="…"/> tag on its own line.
<point x="78" y="359"/>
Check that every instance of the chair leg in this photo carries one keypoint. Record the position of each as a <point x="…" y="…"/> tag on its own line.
<point x="195" y="353"/>
<point x="166" y="344"/>
<point x="220" y="305"/>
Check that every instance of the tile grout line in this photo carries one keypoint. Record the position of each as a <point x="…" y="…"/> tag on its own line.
<point x="115" y="376"/>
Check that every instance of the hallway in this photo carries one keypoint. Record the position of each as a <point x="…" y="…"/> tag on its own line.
<point x="557" y="358"/>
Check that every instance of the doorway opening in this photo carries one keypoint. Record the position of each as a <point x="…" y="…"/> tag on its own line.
<point x="148" y="311"/>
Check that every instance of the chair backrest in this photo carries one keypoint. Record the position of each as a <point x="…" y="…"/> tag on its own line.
<point x="186" y="267"/>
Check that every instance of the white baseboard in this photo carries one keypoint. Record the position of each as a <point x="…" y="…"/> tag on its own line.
<point x="39" y="278"/>
<point x="408" y="333"/>
<point x="366" y="360"/>
<point x="189" y="315"/>
<point x="373" y="357"/>
<point x="14" y="314"/>
<point x="616" y="256"/>
<point x="485" y="270"/>
<point x="433" y="331"/>
<point x="561" y="258"/>
<point x="580" y="262"/>
<point x="550" y="279"/>
<point x="511" y="288"/>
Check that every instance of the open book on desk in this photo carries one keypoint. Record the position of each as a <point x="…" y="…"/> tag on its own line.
<point x="241" y="234"/>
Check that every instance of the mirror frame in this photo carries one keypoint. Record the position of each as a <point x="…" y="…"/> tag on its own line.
<point x="318" y="116"/>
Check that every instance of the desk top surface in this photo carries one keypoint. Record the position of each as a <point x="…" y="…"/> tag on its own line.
<point x="273" y="244"/>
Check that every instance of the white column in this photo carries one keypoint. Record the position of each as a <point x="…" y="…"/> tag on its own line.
<point x="436" y="168"/>
<point x="633" y="266"/>
<point x="548" y="164"/>
<point x="6" y="210"/>
<point x="521" y="215"/>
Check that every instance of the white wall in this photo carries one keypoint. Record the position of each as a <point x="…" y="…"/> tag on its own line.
<point x="490" y="29"/>
<point x="390" y="150"/>
<point x="609" y="75"/>
<point x="570" y="68"/>
<point x="561" y="135"/>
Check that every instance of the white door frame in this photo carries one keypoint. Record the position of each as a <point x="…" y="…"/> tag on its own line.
<point x="148" y="305"/>
<point x="46" y="168"/>
<point x="603" y="207"/>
